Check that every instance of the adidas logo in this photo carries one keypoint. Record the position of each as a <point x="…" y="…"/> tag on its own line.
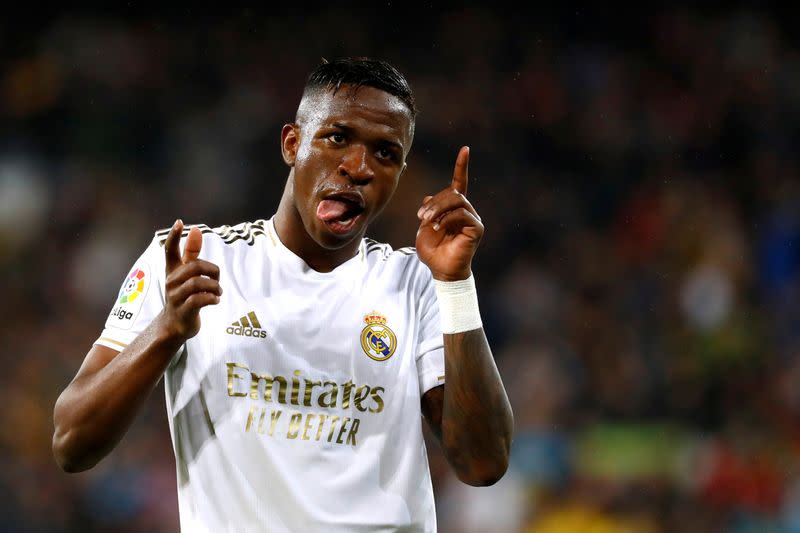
<point x="247" y="326"/>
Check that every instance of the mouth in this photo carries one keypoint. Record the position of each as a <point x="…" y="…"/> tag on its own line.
<point x="341" y="211"/>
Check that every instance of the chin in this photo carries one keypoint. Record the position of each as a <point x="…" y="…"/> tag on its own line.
<point x="330" y="240"/>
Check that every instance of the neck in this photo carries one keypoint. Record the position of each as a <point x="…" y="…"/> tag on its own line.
<point x="293" y="234"/>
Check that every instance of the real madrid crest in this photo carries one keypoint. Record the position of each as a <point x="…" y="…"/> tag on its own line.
<point x="377" y="340"/>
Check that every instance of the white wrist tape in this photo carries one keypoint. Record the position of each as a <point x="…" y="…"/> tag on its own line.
<point x="458" y="305"/>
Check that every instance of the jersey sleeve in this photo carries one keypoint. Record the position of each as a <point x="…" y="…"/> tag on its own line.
<point x="140" y="299"/>
<point x="430" y="345"/>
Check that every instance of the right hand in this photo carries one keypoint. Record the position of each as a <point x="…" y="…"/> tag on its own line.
<point x="191" y="284"/>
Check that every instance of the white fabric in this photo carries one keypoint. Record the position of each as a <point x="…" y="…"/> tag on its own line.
<point x="262" y="442"/>
<point x="458" y="305"/>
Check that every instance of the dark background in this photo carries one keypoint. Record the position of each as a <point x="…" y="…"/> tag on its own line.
<point x="637" y="173"/>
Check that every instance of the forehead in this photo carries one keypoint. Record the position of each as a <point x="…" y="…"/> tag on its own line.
<point x="357" y="107"/>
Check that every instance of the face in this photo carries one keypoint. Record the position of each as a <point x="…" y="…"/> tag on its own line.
<point x="347" y="152"/>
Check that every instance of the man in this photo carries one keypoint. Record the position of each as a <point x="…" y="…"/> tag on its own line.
<point x="297" y="356"/>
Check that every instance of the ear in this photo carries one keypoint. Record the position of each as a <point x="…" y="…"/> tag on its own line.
<point x="290" y="140"/>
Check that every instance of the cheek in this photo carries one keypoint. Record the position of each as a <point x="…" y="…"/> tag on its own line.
<point x="386" y="190"/>
<point x="392" y="183"/>
<point x="303" y="152"/>
<point x="306" y="168"/>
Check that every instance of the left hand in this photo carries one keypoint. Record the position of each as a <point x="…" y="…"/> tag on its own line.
<point x="450" y="228"/>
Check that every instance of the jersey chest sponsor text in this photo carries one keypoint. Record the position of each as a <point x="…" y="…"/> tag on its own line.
<point x="324" y="406"/>
<point x="335" y="399"/>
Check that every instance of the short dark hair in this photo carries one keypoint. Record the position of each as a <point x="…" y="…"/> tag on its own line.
<point x="362" y="71"/>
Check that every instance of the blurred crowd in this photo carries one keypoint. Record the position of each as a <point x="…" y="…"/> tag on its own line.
<point x="639" y="278"/>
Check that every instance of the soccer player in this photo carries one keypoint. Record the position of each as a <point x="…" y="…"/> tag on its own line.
<point x="297" y="355"/>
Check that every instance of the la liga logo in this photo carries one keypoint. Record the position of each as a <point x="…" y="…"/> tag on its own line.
<point x="132" y="288"/>
<point x="130" y="298"/>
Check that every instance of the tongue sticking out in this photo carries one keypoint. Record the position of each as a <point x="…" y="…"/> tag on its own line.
<point x="328" y="210"/>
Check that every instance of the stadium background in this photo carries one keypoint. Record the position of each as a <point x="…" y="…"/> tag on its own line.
<point x="639" y="277"/>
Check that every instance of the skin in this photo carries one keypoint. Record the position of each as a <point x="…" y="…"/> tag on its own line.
<point x="470" y="414"/>
<point x="353" y="141"/>
<point x="99" y="405"/>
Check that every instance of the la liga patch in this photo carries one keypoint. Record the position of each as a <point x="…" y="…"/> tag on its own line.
<point x="130" y="298"/>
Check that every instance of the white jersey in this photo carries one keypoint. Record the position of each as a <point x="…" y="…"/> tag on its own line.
<point x="297" y="405"/>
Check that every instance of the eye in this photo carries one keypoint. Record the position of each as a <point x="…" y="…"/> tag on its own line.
<point x="336" y="138"/>
<point x="387" y="153"/>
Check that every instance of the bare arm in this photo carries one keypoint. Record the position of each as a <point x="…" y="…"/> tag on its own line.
<point x="99" y="405"/>
<point x="470" y="413"/>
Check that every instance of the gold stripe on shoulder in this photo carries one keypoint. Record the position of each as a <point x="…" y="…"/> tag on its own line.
<point x="271" y="233"/>
<point x="112" y="341"/>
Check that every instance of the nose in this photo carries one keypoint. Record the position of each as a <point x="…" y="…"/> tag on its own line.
<point x="355" y="165"/>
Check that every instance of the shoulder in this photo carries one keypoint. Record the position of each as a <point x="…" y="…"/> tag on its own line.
<point x="242" y="233"/>
<point x="402" y="263"/>
<point x="383" y="252"/>
<point x="219" y="243"/>
<point x="378" y="252"/>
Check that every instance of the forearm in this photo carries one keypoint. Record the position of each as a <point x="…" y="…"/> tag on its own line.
<point x="477" y="422"/>
<point x="96" y="409"/>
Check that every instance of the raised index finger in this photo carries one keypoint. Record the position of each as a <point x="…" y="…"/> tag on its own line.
<point x="172" y="252"/>
<point x="461" y="172"/>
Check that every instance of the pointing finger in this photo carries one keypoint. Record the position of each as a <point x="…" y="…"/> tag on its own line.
<point x="461" y="172"/>
<point x="194" y="241"/>
<point x="171" y="246"/>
